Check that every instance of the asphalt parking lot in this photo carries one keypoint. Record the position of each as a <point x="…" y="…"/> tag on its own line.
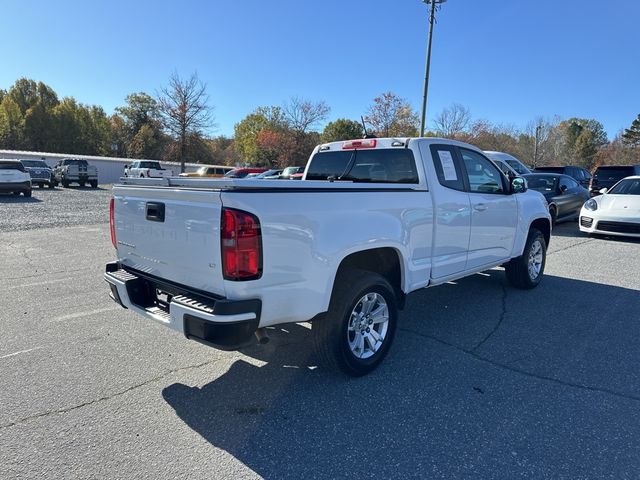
<point x="483" y="381"/>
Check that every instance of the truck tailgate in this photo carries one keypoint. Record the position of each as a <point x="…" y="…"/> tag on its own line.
<point x="171" y="234"/>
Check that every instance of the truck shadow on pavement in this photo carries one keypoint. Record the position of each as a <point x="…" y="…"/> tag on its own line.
<point x="483" y="381"/>
<point x="8" y="198"/>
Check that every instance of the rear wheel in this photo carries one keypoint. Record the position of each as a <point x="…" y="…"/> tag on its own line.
<point x="27" y="193"/>
<point x="526" y="271"/>
<point x="359" y="328"/>
<point x="41" y="185"/>
<point x="94" y="184"/>
<point x="65" y="183"/>
<point x="51" y="184"/>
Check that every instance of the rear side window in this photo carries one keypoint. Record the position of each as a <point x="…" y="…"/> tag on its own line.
<point x="371" y="166"/>
<point x="447" y="169"/>
<point x="11" y="166"/>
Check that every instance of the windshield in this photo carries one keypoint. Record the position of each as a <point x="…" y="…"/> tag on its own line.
<point x="34" y="164"/>
<point x="517" y="166"/>
<point x="628" y="186"/>
<point x="541" y="183"/>
<point x="236" y="174"/>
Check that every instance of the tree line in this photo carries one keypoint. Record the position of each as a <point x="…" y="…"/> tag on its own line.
<point x="172" y="125"/>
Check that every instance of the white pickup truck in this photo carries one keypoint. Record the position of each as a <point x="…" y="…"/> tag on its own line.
<point x="373" y="220"/>
<point x="146" y="169"/>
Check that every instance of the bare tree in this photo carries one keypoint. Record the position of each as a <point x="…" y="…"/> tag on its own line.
<point x="185" y="110"/>
<point x="452" y="121"/>
<point x="546" y="140"/>
<point x="304" y="114"/>
<point x="392" y="116"/>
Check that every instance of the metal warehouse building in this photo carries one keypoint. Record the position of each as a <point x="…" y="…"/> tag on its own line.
<point x="110" y="169"/>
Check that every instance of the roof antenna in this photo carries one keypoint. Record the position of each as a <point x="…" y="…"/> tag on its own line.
<point x="364" y="127"/>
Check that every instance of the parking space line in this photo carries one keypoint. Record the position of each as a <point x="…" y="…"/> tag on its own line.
<point x="71" y="316"/>
<point x="20" y="352"/>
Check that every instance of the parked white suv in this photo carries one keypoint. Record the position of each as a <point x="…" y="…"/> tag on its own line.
<point x="371" y="221"/>
<point x="14" y="178"/>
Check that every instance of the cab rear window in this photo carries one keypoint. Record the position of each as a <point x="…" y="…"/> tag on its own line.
<point x="370" y="166"/>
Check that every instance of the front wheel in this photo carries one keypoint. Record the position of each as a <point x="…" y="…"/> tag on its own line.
<point x="359" y="327"/>
<point x="94" y="184"/>
<point x="27" y="193"/>
<point x="526" y="271"/>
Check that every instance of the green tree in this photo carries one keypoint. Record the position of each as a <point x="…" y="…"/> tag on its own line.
<point x="11" y="124"/>
<point x="247" y="130"/>
<point x="631" y="135"/>
<point x="341" y="129"/>
<point x="581" y="140"/>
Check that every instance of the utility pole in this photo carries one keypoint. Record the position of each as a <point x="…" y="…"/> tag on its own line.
<point x="432" y="17"/>
<point x="535" y="146"/>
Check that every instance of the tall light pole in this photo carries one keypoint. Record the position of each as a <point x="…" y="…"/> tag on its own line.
<point x="432" y="17"/>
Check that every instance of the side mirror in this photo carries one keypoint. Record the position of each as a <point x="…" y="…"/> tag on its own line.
<point x="603" y="190"/>
<point x="518" y="185"/>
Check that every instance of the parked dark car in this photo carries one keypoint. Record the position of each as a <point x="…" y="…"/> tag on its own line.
<point x="563" y="194"/>
<point x="41" y="173"/>
<point x="579" y="174"/>
<point x="607" y="176"/>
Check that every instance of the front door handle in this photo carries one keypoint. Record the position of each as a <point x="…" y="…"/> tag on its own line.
<point x="480" y="207"/>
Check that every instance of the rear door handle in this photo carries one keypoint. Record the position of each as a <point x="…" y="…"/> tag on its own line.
<point x="480" y="207"/>
<point x="155" y="211"/>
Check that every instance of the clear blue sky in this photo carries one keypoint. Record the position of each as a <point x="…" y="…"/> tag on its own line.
<point x="507" y="60"/>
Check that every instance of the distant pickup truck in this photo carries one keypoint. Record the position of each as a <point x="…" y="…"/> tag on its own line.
<point x="371" y="221"/>
<point x="74" y="170"/>
<point x="147" y="169"/>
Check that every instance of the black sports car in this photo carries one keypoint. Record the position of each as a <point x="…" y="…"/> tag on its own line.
<point x="564" y="195"/>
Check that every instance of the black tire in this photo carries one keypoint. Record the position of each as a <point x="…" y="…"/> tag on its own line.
<point x="517" y="270"/>
<point x="27" y="193"/>
<point x="331" y="333"/>
<point x="82" y="184"/>
<point x="142" y="175"/>
<point x="65" y="184"/>
<point x="51" y="185"/>
<point x="41" y="185"/>
<point x="94" y="184"/>
<point x="553" y="211"/>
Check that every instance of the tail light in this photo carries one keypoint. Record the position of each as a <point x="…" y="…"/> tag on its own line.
<point x="241" y="245"/>
<point x="112" y="223"/>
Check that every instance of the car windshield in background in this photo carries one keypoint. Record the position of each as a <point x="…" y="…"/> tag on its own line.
<point x="613" y="172"/>
<point x="34" y="164"/>
<point x="630" y="186"/>
<point x="80" y="163"/>
<point x="541" y="183"/>
<point x="11" y="166"/>
<point x="377" y="166"/>
<point x="516" y="166"/>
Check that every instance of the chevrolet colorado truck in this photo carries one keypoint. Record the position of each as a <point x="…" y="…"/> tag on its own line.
<point x="147" y="169"/>
<point x="74" y="170"/>
<point x="371" y="221"/>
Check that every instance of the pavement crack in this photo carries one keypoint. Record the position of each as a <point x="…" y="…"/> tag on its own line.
<point x="503" y="313"/>
<point x="557" y="381"/>
<point x="107" y="397"/>
<point x="571" y="246"/>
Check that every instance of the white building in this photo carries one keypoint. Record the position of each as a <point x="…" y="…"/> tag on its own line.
<point x="110" y="169"/>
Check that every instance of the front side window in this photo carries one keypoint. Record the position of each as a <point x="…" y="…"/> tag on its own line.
<point x="567" y="183"/>
<point x="483" y="176"/>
